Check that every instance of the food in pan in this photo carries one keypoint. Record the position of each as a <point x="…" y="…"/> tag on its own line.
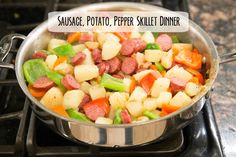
<point x="115" y="78"/>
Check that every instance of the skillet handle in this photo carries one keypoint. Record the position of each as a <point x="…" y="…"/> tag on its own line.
<point x="228" y="57"/>
<point x="5" y="47"/>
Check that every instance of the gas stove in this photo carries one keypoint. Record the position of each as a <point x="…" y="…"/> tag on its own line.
<point x="22" y="134"/>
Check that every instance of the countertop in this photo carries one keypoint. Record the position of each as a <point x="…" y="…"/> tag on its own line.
<point x="218" y="19"/>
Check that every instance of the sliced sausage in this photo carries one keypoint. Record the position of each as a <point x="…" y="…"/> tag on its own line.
<point x="114" y="64"/>
<point x="39" y="55"/>
<point x="93" y="112"/>
<point x="103" y="68"/>
<point x="132" y="46"/>
<point x="118" y="76"/>
<point x="78" y="59"/>
<point x="177" y="84"/>
<point x="164" y="41"/>
<point x="43" y="83"/>
<point x="97" y="55"/>
<point x="125" y="117"/>
<point x="84" y="37"/>
<point x="129" y="65"/>
<point x="84" y="101"/>
<point x="69" y="82"/>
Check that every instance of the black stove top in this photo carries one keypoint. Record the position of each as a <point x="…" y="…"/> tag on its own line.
<point x="22" y="134"/>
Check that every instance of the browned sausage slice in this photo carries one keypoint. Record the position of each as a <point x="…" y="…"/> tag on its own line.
<point x="129" y="65"/>
<point x="39" y="55"/>
<point x="177" y="84"/>
<point x="69" y="82"/>
<point x="78" y="59"/>
<point x="94" y="111"/>
<point x="118" y="76"/>
<point x="132" y="46"/>
<point x="114" y="64"/>
<point x="125" y="117"/>
<point x="85" y="100"/>
<point x="97" y="56"/>
<point x="103" y="68"/>
<point x="164" y="41"/>
<point x="43" y="83"/>
<point x="84" y="37"/>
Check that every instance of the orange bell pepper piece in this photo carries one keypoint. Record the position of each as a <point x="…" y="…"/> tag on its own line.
<point x="122" y="35"/>
<point x="196" y="74"/>
<point x="60" y="109"/>
<point x="60" y="60"/>
<point x="190" y="59"/>
<point x="36" y="92"/>
<point x="73" y="37"/>
<point x="170" y="108"/>
<point x="132" y="85"/>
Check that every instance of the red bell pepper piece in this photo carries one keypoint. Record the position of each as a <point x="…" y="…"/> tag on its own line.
<point x="147" y="82"/>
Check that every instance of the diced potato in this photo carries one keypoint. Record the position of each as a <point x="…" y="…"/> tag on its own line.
<point x="118" y="99"/>
<point x="139" y="58"/>
<point x="160" y="85"/>
<point x="148" y="37"/>
<point x="64" y="68"/>
<point x="138" y="94"/>
<point x="85" y="86"/>
<point x="79" y="47"/>
<point x="50" y="61"/>
<point x="110" y="49"/>
<point x="180" y="99"/>
<point x="103" y="120"/>
<point x="182" y="46"/>
<point x="138" y="76"/>
<point x="93" y="82"/>
<point x="73" y="98"/>
<point x="53" y="43"/>
<point x="52" y="97"/>
<point x="103" y="37"/>
<point x="150" y="104"/>
<point x="134" y="34"/>
<point x="127" y="83"/>
<point x="147" y="65"/>
<point x="140" y="119"/>
<point x="92" y="45"/>
<point x="178" y="72"/>
<point x="153" y="55"/>
<point x="85" y="72"/>
<point x="88" y="60"/>
<point x="97" y="92"/>
<point x="192" y="89"/>
<point x="164" y="98"/>
<point x="135" y="108"/>
<point x="167" y="59"/>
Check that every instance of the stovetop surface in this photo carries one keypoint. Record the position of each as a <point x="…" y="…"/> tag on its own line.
<point x="22" y="134"/>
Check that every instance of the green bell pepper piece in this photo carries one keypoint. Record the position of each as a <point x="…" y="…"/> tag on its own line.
<point x="77" y="115"/>
<point x="117" y="119"/>
<point x="155" y="34"/>
<point x="159" y="66"/>
<point x="112" y="83"/>
<point x="150" y="115"/>
<point x="56" y="78"/>
<point x="33" y="69"/>
<point x="175" y="39"/>
<point x="152" y="46"/>
<point x="65" y="50"/>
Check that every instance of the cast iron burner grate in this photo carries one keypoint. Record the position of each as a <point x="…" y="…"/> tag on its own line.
<point x="198" y="139"/>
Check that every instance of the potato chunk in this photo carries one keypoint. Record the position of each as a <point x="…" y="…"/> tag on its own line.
<point x="138" y="94"/>
<point x="50" y="61"/>
<point x="192" y="89"/>
<point x="118" y="99"/>
<point x="167" y="59"/>
<point x="182" y="46"/>
<point x="73" y="98"/>
<point x="52" y="97"/>
<point x="153" y="55"/>
<point x="97" y="92"/>
<point x="148" y="37"/>
<point x="178" y="72"/>
<point x="85" y="72"/>
<point x="110" y="49"/>
<point x="135" y="108"/>
<point x="160" y="85"/>
<point x="103" y="120"/>
<point x="64" y="68"/>
<point x="88" y="60"/>
<point x="53" y="43"/>
<point x="180" y="99"/>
